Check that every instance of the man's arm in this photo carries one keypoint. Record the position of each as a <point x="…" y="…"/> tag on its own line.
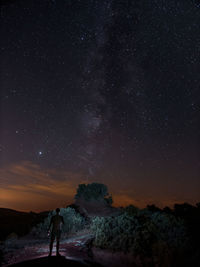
<point x="50" y="224"/>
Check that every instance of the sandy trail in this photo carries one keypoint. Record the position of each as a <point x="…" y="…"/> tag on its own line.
<point x="26" y="249"/>
<point x="71" y="249"/>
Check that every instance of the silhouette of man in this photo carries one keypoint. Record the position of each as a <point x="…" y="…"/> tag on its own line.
<point x="56" y="222"/>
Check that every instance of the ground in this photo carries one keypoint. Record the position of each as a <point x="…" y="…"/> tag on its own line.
<point x="27" y="251"/>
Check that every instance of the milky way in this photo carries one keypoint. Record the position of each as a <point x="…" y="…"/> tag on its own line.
<point x="106" y="89"/>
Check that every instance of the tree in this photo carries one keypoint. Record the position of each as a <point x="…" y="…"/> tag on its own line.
<point x="94" y="191"/>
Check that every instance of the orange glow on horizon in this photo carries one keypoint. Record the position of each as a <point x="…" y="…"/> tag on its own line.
<point x="27" y="187"/>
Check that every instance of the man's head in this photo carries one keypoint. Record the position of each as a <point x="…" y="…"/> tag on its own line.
<point x="57" y="210"/>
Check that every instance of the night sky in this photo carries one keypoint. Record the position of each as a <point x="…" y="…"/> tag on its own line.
<point x="99" y="91"/>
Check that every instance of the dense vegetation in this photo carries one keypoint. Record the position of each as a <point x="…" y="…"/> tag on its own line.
<point x="162" y="235"/>
<point x="139" y="232"/>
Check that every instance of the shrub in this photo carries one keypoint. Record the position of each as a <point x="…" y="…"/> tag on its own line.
<point x="170" y="229"/>
<point x="73" y="222"/>
<point x="138" y="232"/>
<point x="124" y="232"/>
<point x="130" y="210"/>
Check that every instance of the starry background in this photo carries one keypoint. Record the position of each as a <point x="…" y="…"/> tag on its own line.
<point x="99" y="91"/>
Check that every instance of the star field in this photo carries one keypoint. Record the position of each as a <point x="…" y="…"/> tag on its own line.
<point x="107" y="89"/>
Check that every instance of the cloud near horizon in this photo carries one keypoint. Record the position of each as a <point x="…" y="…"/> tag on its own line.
<point x="26" y="186"/>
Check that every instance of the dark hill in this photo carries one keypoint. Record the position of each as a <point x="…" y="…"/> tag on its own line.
<point x="20" y="223"/>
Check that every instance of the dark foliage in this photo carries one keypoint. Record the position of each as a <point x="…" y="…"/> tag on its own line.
<point x="191" y="216"/>
<point x="93" y="191"/>
<point x="169" y="237"/>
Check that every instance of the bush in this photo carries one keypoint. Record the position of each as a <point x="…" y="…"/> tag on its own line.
<point x="170" y="229"/>
<point x="73" y="222"/>
<point x="138" y="232"/>
<point x="124" y="232"/>
<point x="130" y="210"/>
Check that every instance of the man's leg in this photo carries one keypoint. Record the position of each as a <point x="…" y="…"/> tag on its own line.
<point x="51" y="245"/>
<point x="57" y="246"/>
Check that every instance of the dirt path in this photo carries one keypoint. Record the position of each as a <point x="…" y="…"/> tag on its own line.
<point x="26" y="249"/>
<point x="72" y="250"/>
